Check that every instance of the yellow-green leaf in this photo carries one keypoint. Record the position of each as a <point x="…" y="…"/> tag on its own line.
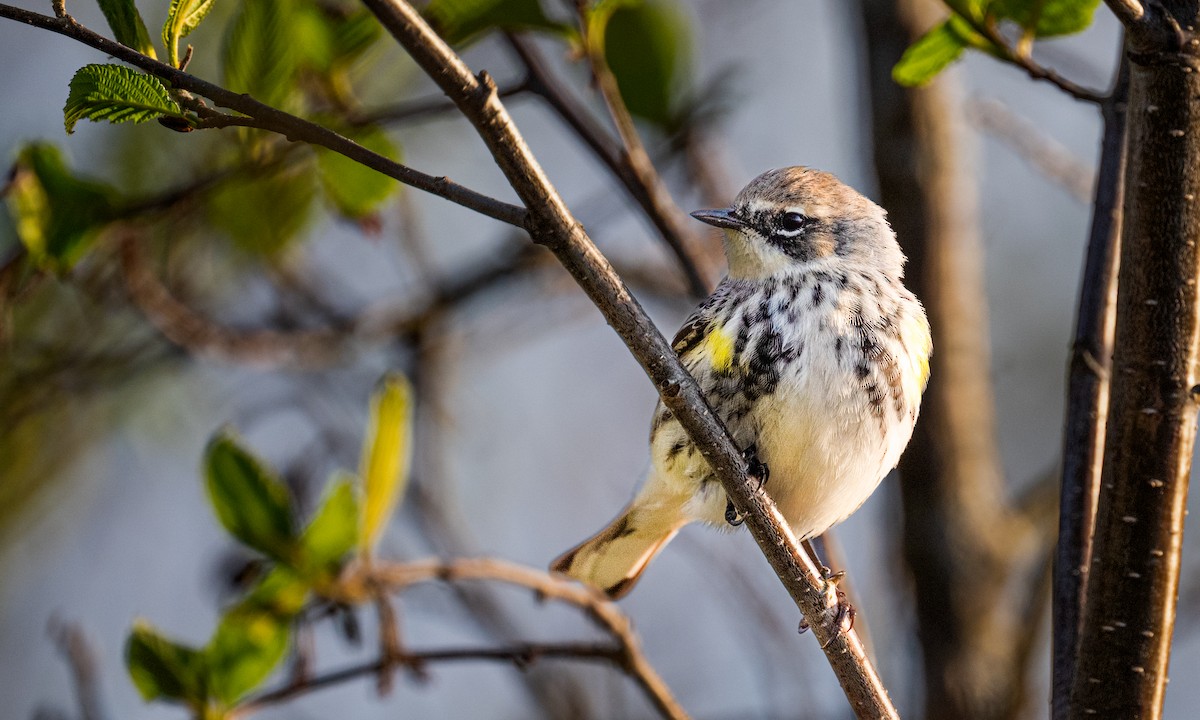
<point x="117" y="94"/>
<point x="127" y="25"/>
<point x="334" y="530"/>
<point x="386" y="454"/>
<point x="247" y="645"/>
<point x="461" y="21"/>
<point x="182" y="18"/>
<point x="929" y="55"/>
<point x="1047" y="18"/>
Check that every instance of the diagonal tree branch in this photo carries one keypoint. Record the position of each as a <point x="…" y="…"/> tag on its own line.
<point x="550" y="223"/>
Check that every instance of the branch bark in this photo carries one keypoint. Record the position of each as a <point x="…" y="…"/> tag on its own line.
<point x="551" y="224"/>
<point x="1129" y="614"/>
<point x="1087" y="397"/>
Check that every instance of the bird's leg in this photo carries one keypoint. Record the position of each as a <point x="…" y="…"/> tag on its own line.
<point x="839" y="613"/>
<point x="756" y="469"/>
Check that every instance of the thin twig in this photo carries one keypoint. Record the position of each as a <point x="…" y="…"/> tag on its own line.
<point x="521" y="656"/>
<point x="631" y="166"/>
<point x="552" y="225"/>
<point x="268" y="118"/>
<point x="1021" y="58"/>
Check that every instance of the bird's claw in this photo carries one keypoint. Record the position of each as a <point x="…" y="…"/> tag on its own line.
<point x="838" y="616"/>
<point x="732" y="516"/>
<point x="756" y="468"/>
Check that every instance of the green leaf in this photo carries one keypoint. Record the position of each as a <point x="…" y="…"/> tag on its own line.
<point x="1047" y="18"/>
<point x="974" y="9"/>
<point x="333" y="532"/>
<point x="164" y="669"/>
<point x="282" y="591"/>
<point x="127" y="26"/>
<point x="260" y="52"/>
<point x="929" y="55"/>
<point x="264" y="213"/>
<point x="250" y="501"/>
<point x="117" y="94"/>
<point x="182" y="18"/>
<point x="463" y="21"/>
<point x="56" y="214"/>
<point x="248" y="644"/>
<point x="646" y="47"/>
<point x="355" y="189"/>
<point x="387" y="451"/>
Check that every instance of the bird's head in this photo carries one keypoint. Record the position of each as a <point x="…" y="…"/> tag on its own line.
<point x="796" y="219"/>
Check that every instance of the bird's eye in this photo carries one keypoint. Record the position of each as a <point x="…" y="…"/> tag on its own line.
<point x="792" y="222"/>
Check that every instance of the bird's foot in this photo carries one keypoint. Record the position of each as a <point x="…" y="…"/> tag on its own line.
<point x="756" y="468"/>
<point x="838" y="614"/>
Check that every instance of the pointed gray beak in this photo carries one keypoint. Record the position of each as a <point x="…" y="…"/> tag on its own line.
<point x="719" y="218"/>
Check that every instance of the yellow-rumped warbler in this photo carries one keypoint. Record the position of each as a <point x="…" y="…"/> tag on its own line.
<point x="811" y="351"/>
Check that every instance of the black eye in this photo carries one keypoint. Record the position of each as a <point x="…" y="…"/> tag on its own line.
<point x="792" y="222"/>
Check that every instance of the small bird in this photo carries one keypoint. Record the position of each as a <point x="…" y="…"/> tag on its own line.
<point x="811" y="351"/>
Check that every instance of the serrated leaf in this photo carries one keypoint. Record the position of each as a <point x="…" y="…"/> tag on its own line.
<point x="182" y="18"/>
<point x="57" y="215"/>
<point x="1047" y="18"/>
<point x="246" y="647"/>
<point x="334" y="530"/>
<point x="251" y="503"/>
<point x="646" y="47"/>
<point x="264" y="214"/>
<point x="387" y="451"/>
<point x="127" y="25"/>
<point x="117" y="94"/>
<point x="929" y="55"/>
<point x="355" y="189"/>
<point x="261" y="50"/>
<point x="161" y="668"/>
<point x="463" y="21"/>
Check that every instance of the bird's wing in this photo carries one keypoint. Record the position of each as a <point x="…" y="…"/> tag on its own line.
<point x="695" y="329"/>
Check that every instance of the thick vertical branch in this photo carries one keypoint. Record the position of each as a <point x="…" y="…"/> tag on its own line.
<point x="1133" y="582"/>
<point x="1087" y="397"/>
<point x="958" y="535"/>
<point x="551" y="224"/>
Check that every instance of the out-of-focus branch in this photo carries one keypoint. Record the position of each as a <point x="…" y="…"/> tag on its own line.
<point x="550" y="223"/>
<point x="365" y="581"/>
<point x="1033" y="146"/>
<point x="966" y="548"/>
<point x="1087" y="397"/>
<point x="629" y="164"/>
<point x="73" y="645"/>
<point x="259" y="115"/>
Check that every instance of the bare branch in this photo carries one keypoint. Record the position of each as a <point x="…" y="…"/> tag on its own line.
<point x="1088" y="380"/>
<point x="551" y="223"/>
<point x="630" y="165"/>
<point x="268" y="118"/>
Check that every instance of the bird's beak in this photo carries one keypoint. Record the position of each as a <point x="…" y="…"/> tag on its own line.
<point x="720" y="218"/>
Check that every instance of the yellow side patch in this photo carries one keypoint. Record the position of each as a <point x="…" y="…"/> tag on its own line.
<point x="718" y="346"/>
<point x="916" y="335"/>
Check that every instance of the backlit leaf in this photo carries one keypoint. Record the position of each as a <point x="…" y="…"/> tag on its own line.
<point x="264" y="213"/>
<point x="1048" y="18"/>
<point x="127" y="26"/>
<point x="260" y="52"/>
<point x="248" y="644"/>
<point x="117" y="94"/>
<point x="334" y="530"/>
<point x="56" y="214"/>
<point x="929" y="55"/>
<point x="387" y="450"/>
<point x="182" y="18"/>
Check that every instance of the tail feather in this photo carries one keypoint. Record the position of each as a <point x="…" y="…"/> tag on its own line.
<point x="613" y="559"/>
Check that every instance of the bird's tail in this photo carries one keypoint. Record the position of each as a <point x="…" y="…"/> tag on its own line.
<point x="613" y="559"/>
